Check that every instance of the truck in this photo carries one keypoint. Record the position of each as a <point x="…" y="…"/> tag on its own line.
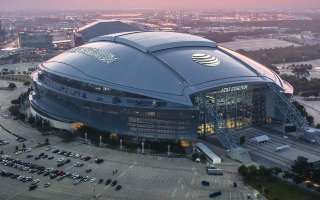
<point x="214" y="171"/>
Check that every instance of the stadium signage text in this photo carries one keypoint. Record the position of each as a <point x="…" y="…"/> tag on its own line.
<point x="232" y="89"/>
<point x="99" y="54"/>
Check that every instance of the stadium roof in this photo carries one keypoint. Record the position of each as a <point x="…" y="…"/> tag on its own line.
<point x="168" y="66"/>
<point x="104" y="27"/>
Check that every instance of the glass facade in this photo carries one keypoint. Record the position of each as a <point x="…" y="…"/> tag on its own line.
<point x="144" y="120"/>
<point x="238" y="106"/>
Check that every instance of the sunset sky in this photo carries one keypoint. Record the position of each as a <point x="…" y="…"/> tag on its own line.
<point x="162" y="4"/>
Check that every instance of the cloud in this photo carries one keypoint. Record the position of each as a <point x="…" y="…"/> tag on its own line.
<point x="161" y="4"/>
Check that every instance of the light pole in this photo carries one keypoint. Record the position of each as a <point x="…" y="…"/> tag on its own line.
<point x="86" y="137"/>
<point x="120" y="144"/>
<point x="142" y="145"/>
<point x="100" y="141"/>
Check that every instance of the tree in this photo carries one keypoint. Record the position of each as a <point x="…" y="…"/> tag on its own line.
<point x="252" y="170"/>
<point x="26" y="83"/>
<point x="243" y="170"/>
<point x="300" y="71"/>
<point x="297" y="179"/>
<point x="276" y="170"/>
<point x="263" y="171"/>
<point x="266" y="191"/>
<point x="302" y="167"/>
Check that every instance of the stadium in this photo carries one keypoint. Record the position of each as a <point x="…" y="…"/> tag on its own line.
<point x="159" y="86"/>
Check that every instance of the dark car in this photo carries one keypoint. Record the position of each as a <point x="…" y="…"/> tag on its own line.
<point x="46" y="173"/>
<point x="53" y="176"/>
<point x="215" y="194"/>
<point x="235" y="184"/>
<point x="20" y="139"/>
<point x="51" y="157"/>
<point x="100" y="181"/>
<point x="32" y="187"/>
<point x="55" y="151"/>
<point x="118" y="187"/>
<point x="98" y="160"/>
<point x="205" y="183"/>
<point x="88" y="170"/>
<point x="86" y="158"/>
<point x="108" y="181"/>
<point x="60" y="164"/>
<point x="114" y="183"/>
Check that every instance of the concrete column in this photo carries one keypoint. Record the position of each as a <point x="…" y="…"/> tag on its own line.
<point x="169" y="149"/>
<point x="121" y="144"/>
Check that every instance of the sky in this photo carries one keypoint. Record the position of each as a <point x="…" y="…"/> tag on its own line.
<point x="154" y="4"/>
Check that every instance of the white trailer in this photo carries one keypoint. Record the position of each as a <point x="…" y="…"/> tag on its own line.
<point x="282" y="147"/>
<point x="212" y="157"/>
<point x="261" y="139"/>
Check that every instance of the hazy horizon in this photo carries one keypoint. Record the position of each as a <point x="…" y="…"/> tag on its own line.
<point x="156" y="4"/>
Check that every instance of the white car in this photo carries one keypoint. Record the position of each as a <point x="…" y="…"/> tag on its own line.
<point x="78" y="164"/>
<point x="46" y="185"/>
<point x="60" y="160"/>
<point x="35" y="182"/>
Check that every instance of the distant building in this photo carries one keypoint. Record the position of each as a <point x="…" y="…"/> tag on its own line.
<point x="2" y="33"/>
<point x="35" y="40"/>
<point x="100" y="28"/>
<point x="62" y="44"/>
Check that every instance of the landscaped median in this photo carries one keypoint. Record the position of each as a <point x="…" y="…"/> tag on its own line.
<point x="268" y="182"/>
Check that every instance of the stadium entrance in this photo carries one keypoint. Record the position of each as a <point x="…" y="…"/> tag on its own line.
<point x="238" y="106"/>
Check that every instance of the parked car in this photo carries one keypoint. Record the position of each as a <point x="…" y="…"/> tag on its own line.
<point x="32" y="187"/>
<point x="118" y="187"/>
<point x="113" y="183"/>
<point x="46" y="185"/>
<point x="98" y="160"/>
<point x="108" y="181"/>
<point x="205" y="183"/>
<point x="215" y="194"/>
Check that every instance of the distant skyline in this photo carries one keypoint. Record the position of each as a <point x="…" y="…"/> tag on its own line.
<point x="155" y="4"/>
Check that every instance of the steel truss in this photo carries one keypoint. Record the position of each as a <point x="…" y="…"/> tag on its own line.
<point x="290" y="113"/>
<point x="220" y="130"/>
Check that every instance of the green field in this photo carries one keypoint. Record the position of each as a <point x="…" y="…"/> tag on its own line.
<point x="282" y="191"/>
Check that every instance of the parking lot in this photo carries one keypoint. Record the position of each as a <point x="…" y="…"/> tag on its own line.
<point x="140" y="176"/>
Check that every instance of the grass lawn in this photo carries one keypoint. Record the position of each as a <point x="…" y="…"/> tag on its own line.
<point x="282" y="191"/>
